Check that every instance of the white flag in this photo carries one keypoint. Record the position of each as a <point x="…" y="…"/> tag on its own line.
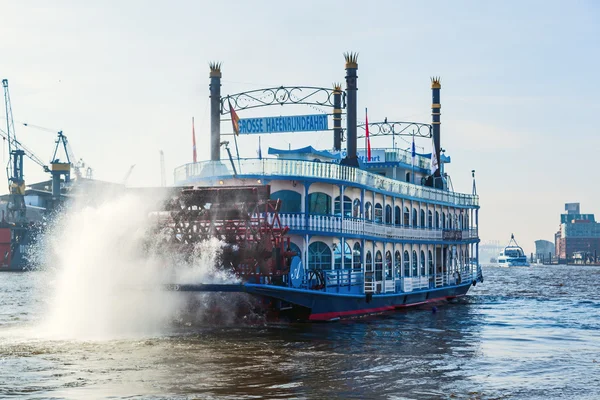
<point x="434" y="160"/>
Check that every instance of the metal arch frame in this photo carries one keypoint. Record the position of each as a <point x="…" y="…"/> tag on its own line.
<point x="305" y="95"/>
<point x="398" y="128"/>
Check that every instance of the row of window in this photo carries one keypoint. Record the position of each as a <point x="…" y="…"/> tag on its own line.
<point x="320" y="257"/>
<point x="320" y="203"/>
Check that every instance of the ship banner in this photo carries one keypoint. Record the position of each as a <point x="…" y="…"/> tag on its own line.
<point x="295" y="123"/>
<point x="451" y="235"/>
<point x="377" y="155"/>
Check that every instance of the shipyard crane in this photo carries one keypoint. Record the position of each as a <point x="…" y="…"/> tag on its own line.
<point x="129" y="171"/>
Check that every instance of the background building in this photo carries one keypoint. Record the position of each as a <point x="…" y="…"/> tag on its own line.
<point x="544" y="250"/>
<point x="578" y="233"/>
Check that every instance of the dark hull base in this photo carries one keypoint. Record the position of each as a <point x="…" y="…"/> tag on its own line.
<point x="311" y="305"/>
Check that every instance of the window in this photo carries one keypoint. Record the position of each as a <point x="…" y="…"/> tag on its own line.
<point x="443" y="220"/>
<point x="378" y="213"/>
<point x="406" y="216"/>
<point x="414" y="218"/>
<point x="389" y="270"/>
<point x="397" y="216"/>
<point x="337" y="256"/>
<point x="378" y="266"/>
<point x="319" y="203"/>
<point x="430" y="219"/>
<point x="356" y="257"/>
<point x="415" y="272"/>
<point x="319" y="256"/>
<point x="291" y="202"/>
<point x="356" y="208"/>
<point x="337" y="210"/>
<point x="398" y="264"/>
<point x="295" y="248"/>
<point x="422" y="224"/>
<point x="422" y="263"/>
<point x="388" y="215"/>
<point x="467" y="221"/>
<point x="408" y="177"/>
<point x="430" y="259"/>
<point x="369" y="262"/>
<point x="461" y="221"/>
<point x="368" y="210"/>
<point x="437" y="220"/>
<point x="406" y="264"/>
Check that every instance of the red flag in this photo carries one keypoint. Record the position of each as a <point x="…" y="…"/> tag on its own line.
<point x="194" y="141"/>
<point x="235" y="120"/>
<point x="368" y="140"/>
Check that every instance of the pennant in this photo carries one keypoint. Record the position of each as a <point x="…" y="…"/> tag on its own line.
<point x="414" y="153"/>
<point x="367" y="138"/>
<point x="259" y="150"/>
<point x="434" y="161"/>
<point x="235" y="120"/>
<point x="195" y="157"/>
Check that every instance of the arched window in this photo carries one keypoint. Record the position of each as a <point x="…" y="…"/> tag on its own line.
<point x="408" y="177"/>
<point x="294" y="247"/>
<point x="430" y="259"/>
<point x="406" y="216"/>
<point x="319" y="203"/>
<point x="291" y="202"/>
<point x="430" y="219"/>
<point x="422" y="263"/>
<point x="389" y="268"/>
<point x="378" y="213"/>
<point x="422" y="224"/>
<point x="388" y="215"/>
<point x="356" y="257"/>
<point x="461" y="220"/>
<point x="397" y="216"/>
<point x="356" y="208"/>
<point x="368" y="211"/>
<point x="337" y="256"/>
<point x="467" y="260"/>
<point x="443" y="220"/>
<point x="337" y="207"/>
<point x="369" y="262"/>
<point x="437" y="220"/>
<point x="415" y="271"/>
<point x="414" y="218"/>
<point x="378" y="266"/>
<point x="319" y="256"/>
<point x="398" y="264"/>
<point x="467" y="221"/>
<point x="406" y="263"/>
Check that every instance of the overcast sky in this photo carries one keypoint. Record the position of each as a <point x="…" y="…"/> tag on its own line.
<point x="519" y="96"/>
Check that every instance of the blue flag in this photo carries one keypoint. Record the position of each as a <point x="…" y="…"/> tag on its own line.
<point x="259" y="150"/>
<point x="414" y="153"/>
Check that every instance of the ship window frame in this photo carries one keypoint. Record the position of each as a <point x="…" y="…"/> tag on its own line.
<point x="389" y="267"/>
<point x="461" y="221"/>
<point x="337" y="256"/>
<point x="288" y="197"/>
<point x="443" y="220"/>
<point x="378" y="266"/>
<point x="357" y="256"/>
<point x="422" y="219"/>
<point x="296" y="248"/>
<point x="369" y="261"/>
<point x="378" y="213"/>
<point x="368" y="209"/>
<point x="415" y="264"/>
<point x="414" y="217"/>
<point x="347" y="207"/>
<point x="430" y="262"/>
<point x="316" y="201"/>
<point x="397" y="215"/>
<point x="406" y="220"/>
<point x="356" y="208"/>
<point x="437" y="220"/>
<point x="422" y="262"/>
<point x="406" y="263"/>
<point x="429" y="219"/>
<point x="388" y="215"/>
<point x="398" y="263"/>
<point x="318" y="253"/>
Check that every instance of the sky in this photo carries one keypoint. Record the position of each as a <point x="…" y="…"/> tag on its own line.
<point x="122" y="80"/>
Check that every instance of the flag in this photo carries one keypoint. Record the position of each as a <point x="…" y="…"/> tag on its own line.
<point x="235" y="120"/>
<point x="434" y="160"/>
<point x="194" y="142"/>
<point x="414" y="153"/>
<point x="368" y="140"/>
<point x="259" y="150"/>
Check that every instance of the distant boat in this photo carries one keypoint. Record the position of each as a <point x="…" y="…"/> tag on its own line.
<point x="512" y="255"/>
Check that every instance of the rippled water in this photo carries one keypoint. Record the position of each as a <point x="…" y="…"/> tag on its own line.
<point x="524" y="334"/>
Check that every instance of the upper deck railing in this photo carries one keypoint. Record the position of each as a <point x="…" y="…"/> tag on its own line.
<point x="297" y="169"/>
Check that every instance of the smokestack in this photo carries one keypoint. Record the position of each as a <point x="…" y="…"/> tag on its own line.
<point x="435" y="121"/>
<point x="351" y="88"/>
<point x="215" y="111"/>
<point x="337" y="116"/>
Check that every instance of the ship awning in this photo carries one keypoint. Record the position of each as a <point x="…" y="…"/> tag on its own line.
<point x="309" y="150"/>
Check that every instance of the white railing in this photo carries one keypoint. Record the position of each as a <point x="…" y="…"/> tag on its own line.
<point x="369" y="286"/>
<point x="309" y="169"/>
<point x="330" y="223"/>
<point x="389" y="286"/>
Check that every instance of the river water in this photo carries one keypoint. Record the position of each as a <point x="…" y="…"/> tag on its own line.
<point x="523" y="334"/>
